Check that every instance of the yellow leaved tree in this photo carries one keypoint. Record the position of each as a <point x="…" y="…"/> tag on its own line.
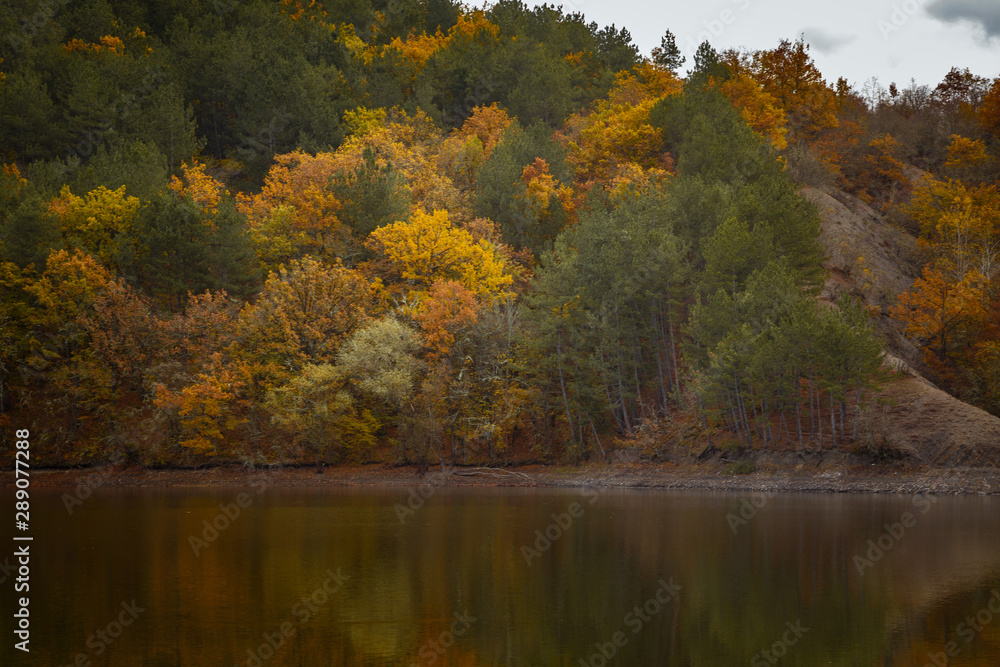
<point x="960" y="224"/>
<point x="316" y="407"/>
<point x="298" y="211"/>
<point x="100" y="222"/>
<point x="302" y="315"/>
<point x="471" y="25"/>
<point x="429" y="248"/>
<point x="204" y="413"/>
<point x="411" y="144"/>
<point x="468" y="147"/>
<point x="967" y="159"/>
<point x="542" y="189"/>
<point x="204" y="189"/>
<point x="64" y="296"/>
<point x="759" y="108"/>
<point x="295" y="212"/>
<point x="618" y="133"/>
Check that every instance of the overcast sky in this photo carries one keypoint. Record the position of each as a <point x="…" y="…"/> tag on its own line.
<point x="895" y="40"/>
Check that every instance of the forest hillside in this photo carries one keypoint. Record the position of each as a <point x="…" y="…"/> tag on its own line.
<point x="353" y="231"/>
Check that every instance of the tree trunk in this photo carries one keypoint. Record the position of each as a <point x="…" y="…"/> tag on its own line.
<point x="597" y="437"/>
<point x="798" y="418"/>
<point x="833" y="419"/>
<point x="637" y="356"/>
<point x="819" y="416"/>
<point x="562" y="381"/>
<point x="857" y="412"/>
<point x="660" y="370"/>
<point x="673" y="357"/>
<point x="812" y="409"/>
<point x="742" y="409"/>
<point x="607" y="391"/>
<point x="704" y="421"/>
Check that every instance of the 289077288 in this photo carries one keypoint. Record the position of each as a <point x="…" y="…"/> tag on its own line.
<point x="22" y="455"/>
<point x="22" y="518"/>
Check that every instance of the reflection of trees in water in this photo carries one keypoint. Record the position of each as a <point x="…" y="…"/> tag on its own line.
<point x="793" y="561"/>
<point x="951" y="616"/>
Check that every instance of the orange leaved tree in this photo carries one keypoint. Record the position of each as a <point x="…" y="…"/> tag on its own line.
<point x="939" y="314"/>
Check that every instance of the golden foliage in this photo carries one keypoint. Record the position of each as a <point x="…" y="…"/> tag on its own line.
<point x="470" y="25"/>
<point x="205" y="408"/>
<point x="486" y="123"/>
<point x="935" y="307"/>
<point x="69" y="285"/>
<point x="960" y="224"/>
<point x="429" y="248"/>
<point x="361" y="121"/>
<point x="882" y="159"/>
<point x="107" y="45"/>
<point x="759" y="108"/>
<point x="411" y="145"/>
<point x="541" y="187"/>
<point x="630" y="176"/>
<point x="618" y="130"/>
<point x="967" y="158"/>
<point x="295" y="212"/>
<point x="97" y="221"/>
<point x="468" y="147"/>
<point x="205" y="190"/>
<point x="419" y="48"/>
<point x="347" y="36"/>
<point x="965" y="152"/>
<point x="789" y="75"/>
<point x="13" y="174"/>
<point x="298" y="180"/>
<point x="302" y="315"/>
<point x="296" y="10"/>
<point x="474" y="25"/>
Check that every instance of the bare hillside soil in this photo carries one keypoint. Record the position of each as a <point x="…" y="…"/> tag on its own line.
<point x="938" y="429"/>
<point x="870" y="258"/>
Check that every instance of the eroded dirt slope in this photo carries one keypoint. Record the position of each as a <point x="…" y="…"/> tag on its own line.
<point x="870" y="258"/>
<point x="938" y="429"/>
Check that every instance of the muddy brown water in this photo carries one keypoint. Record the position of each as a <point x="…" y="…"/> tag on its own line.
<point x="386" y="576"/>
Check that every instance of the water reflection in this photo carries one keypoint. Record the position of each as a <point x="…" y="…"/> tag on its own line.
<point x="512" y="577"/>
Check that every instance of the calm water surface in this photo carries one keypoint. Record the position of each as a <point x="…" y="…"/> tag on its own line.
<point x="310" y="578"/>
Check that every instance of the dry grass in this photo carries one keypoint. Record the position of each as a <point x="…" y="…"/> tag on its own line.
<point x="939" y="429"/>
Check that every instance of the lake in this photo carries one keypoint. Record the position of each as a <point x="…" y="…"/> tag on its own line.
<point x="314" y="577"/>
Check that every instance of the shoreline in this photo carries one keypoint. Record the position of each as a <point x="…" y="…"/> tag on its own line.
<point x="857" y="479"/>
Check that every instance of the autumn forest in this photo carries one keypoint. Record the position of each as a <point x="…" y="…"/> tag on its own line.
<point x="293" y="232"/>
